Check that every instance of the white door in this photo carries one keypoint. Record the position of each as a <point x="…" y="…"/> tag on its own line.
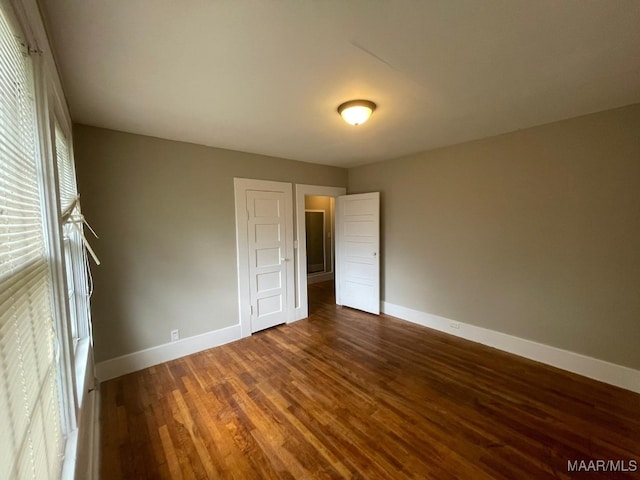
<point x="264" y="223"/>
<point x="357" y="251"/>
<point x="267" y="260"/>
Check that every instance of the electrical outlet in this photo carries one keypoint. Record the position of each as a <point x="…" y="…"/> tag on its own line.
<point x="175" y="335"/>
<point x="455" y="325"/>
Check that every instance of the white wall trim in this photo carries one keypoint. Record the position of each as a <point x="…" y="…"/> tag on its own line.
<point x="606" y="372"/>
<point x="81" y="449"/>
<point x="69" y="462"/>
<point x="86" y="460"/>
<point x="302" y="300"/>
<point x="319" y="277"/>
<point x="132" y="362"/>
<point x="88" y="450"/>
<point x="93" y="472"/>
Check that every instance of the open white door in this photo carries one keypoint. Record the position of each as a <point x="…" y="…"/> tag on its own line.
<point x="265" y="250"/>
<point x="357" y="251"/>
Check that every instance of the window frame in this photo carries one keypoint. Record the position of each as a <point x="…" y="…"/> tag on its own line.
<point x="78" y="314"/>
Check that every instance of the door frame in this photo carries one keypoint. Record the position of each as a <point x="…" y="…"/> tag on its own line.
<point x="302" y="297"/>
<point x="241" y="186"/>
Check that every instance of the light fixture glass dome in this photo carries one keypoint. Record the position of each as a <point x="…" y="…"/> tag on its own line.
<point x="356" y="112"/>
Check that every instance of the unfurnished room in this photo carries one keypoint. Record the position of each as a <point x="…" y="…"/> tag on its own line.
<point x="305" y="239"/>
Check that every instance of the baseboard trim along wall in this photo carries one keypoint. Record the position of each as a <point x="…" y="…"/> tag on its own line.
<point x="319" y="277"/>
<point x="600" y="370"/>
<point x="606" y="372"/>
<point x="133" y="362"/>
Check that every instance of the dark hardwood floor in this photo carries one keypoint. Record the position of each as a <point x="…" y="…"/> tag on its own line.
<point x="345" y="394"/>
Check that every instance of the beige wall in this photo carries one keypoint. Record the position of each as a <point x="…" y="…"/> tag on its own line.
<point x="534" y="233"/>
<point x="164" y="211"/>
<point x="313" y="202"/>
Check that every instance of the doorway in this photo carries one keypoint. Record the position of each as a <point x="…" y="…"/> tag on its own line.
<point x="319" y="240"/>
<point x="315" y="255"/>
<point x="272" y="262"/>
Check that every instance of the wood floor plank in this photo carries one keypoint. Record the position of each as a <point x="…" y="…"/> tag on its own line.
<point x="346" y="394"/>
<point x="169" y="451"/>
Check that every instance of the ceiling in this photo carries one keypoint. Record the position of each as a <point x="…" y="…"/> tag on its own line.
<point x="267" y="76"/>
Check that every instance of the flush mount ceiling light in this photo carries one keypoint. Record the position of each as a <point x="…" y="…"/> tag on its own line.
<point x="356" y="112"/>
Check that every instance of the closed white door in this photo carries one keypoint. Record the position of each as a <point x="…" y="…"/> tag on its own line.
<point x="358" y="251"/>
<point x="267" y="258"/>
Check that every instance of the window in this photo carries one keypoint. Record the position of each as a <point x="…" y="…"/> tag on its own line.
<point x="66" y="176"/>
<point x="45" y="334"/>
<point x="32" y="443"/>
<point x="76" y="266"/>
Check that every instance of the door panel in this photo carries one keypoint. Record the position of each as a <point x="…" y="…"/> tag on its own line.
<point x="269" y="281"/>
<point x="267" y="263"/>
<point x="357" y="251"/>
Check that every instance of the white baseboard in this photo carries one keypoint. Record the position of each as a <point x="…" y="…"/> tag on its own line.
<point x="132" y="362"/>
<point x="606" y="372"/>
<point x="319" y="277"/>
<point x="315" y="268"/>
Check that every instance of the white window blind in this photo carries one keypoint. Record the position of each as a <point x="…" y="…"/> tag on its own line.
<point x="75" y="258"/>
<point x="66" y="177"/>
<point x="31" y="440"/>
<point x="70" y="206"/>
